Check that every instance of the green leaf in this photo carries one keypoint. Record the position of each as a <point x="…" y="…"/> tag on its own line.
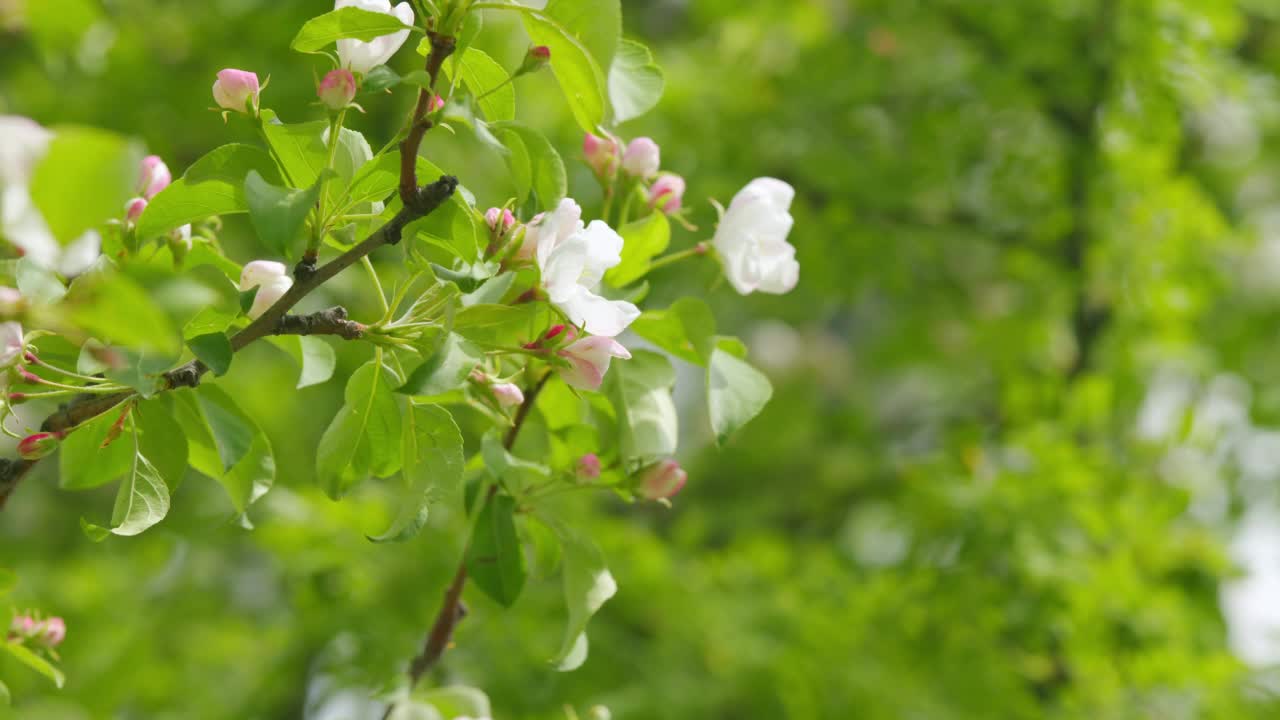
<point x="686" y="329"/>
<point x="208" y="320"/>
<point x="447" y="369"/>
<point x="347" y="22"/>
<point x="83" y="463"/>
<point x="641" y="241"/>
<point x="143" y="499"/>
<point x="503" y="324"/>
<point x="375" y="180"/>
<point x="433" y="464"/>
<point x="736" y="392"/>
<point x="84" y="180"/>
<point x="456" y="701"/>
<point x="214" y="185"/>
<point x="640" y="390"/>
<point x="535" y="163"/>
<point x="482" y="74"/>
<point x="495" y="560"/>
<point x="253" y="474"/>
<point x="596" y="24"/>
<point x="578" y="73"/>
<point x="214" y="350"/>
<point x="231" y="429"/>
<point x="364" y="437"/>
<point x="304" y="156"/>
<point x="587" y="586"/>
<point x="161" y="439"/>
<point x="278" y="214"/>
<point x="117" y="310"/>
<point x="514" y="472"/>
<point x="35" y="662"/>
<point x="315" y="357"/>
<point x="635" y="82"/>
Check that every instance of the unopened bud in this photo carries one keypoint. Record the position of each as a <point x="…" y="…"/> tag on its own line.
<point x="133" y="209"/>
<point x="52" y="632"/>
<point x="507" y="394"/>
<point x="437" y="103"/>
<point x="499" y="220"/>
<point x="237" y="90"/>
<point x="534" y="60"/>
<point x="34" y="447"/>
<point x="602" y="155"/>
<point x="662" y="480"/>
<point x="588" y="467"/>
<point x="642" y="158"/>
<point x="667" y="193"/>
<point x="153" y="176"/>
<point x="337" y="89"/>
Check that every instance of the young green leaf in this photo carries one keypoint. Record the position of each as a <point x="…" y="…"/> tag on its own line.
<point x="486" y="80"/>
<point x="84" y="463"/>
<point x="315" y="358"/>
<point x="534" y="162"/>
<point x="364" y="437"/>
<point x="495" y="559"/>
<point x="214" y="350"/>
<point x="348" y="22"/>
<point x="433" y="464"/>
<point x="34" y="661"/>
<point x="635" y="82"/>
<point x="596" y="24"/>
<point x="278" y="214"/>
<point x="642" y="240"/>
<point x="447" y="369"/>
<point x="588" y="584"/>
<point x="686" y="329"/>
<point x="736" y="392"/>
<point x="214" y="185"/>
<point x="640" y="390"/>
<point x="578" y="73"/>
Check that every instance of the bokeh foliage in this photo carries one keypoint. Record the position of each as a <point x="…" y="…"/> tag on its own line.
<point x="1014" y="218"/>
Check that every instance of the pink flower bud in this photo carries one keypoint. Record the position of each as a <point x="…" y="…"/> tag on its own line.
<point x="34" y="447"/>
<point x="662" y="480"/>
<point x="507" y="394"/>
<point x="153" y="176"/>
<point x="589" y="360"/>
<point x="534" y="60"/>
<point x="437" y="103"/>
<point x="602" y="155"/>
<point x="53" y="631"/>
<point x="643" y="158"/>
<point x="337" y="89"/>
<point x="237" y="90"/>
<point x="666" y="193"/>
<point x="133" y="209"/>
<point x="23" y="626"/>
<point x="589" y="467"/>
<point x="499" y="220"/>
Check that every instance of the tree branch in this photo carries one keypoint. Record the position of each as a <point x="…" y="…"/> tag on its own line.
<point x="452" y="611"/>
<point x="275" y="321"/>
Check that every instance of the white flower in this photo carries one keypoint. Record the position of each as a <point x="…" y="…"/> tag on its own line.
<point x="272" y="280"/>
<point x="23" y="144"/>
<point x="11" y="343"/>
<point x="573" y="260"/>
<point x="752" y="239"/>
<point x="361" y="57"/>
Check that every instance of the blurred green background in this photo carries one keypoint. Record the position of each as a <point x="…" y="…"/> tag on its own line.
<point x="1024" y="447"/>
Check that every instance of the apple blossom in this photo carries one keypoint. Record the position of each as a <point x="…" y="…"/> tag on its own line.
<point x="153" y="177"/>
<point x="642" y="158"/>
<point x="133" y="209"/>
<point x="34" y="447"/>
<point x="360" y="56"/>
<point x="337" y="89"/>
<point x="507" y="394"/>
<point x="237" y="90"/>
<point x="752" y="239"/>
<point x="667" y="193"/>
<point x="272" y="280"/>
<point x="662" y="480"/>
<point x="11" y="343"/>
<point x="602" y="155"/>
<point x="588" y="467"/>
<point x="589" y="360"/>
<point x="573" y="259"/>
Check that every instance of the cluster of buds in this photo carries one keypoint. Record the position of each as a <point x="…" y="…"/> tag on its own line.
<point x="639" y="161"/>
<point x="588" y="468"/>
<point x="153" y="176"/>
<point x="47" y="633"/>
<point x="501" y="224"/>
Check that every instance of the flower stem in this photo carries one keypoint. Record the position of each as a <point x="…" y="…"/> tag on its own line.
<point x="675" y="257"/>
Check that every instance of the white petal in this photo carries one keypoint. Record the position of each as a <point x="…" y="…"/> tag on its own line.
<point x="778" y="193"/>
<point x="556" y="227"/>
<point x="604" y="250"/>
<point x="260" y="272"/>
<point x="268" y="294"/>
<point x="80" y="254"/>
<point x="23" y="142"/>
<point x="10" y="343"/>
<point x="598" y="316"/>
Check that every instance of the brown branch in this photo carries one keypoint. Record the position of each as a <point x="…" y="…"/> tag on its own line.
<point x="275" y="321"/>
<point x="442" y="46"/>
<point x="452" y="610"/>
